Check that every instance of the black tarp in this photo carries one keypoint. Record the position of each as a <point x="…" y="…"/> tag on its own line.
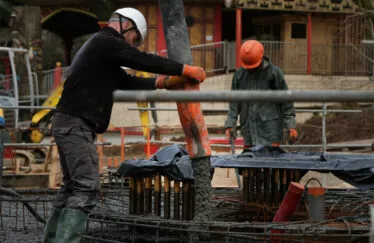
<point x="174" y="162"/>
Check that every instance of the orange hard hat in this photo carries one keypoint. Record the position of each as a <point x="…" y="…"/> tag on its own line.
<point x="251" y="53"/>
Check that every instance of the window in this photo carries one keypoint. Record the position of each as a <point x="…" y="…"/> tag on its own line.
<point x="298" y="31"/>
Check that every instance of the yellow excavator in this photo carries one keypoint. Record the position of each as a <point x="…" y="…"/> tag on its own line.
<point x="34" y="133"/>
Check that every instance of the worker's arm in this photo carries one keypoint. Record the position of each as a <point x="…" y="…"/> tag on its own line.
<point x="287" y="109"/>
<point x="122" y="54"/>
<point x="136" y="83"/>
<point x="234" y="107"/>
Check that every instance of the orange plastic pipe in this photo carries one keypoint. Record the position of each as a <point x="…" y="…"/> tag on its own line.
<point x="193" y="124"/>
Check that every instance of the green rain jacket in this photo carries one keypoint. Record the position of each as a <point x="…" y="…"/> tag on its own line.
<point x="261" y="123"/>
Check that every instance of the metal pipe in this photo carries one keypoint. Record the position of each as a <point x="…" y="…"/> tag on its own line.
<point x="242" y="95"/>
<point x="19" y="107"/>
<point x="193" y="200"/>
<point x="245" y="174"/>
<point x="157" y="196"/>
<point x="166" y="197"/>
<point x="139" y="195"/>
<point x="148" y="195"/>
<point x="132" y="195"/>
<point x="186" y="200"/>
<point x="29" y="76"/>
<point x="13" y="49"/>
<point x="226" y="110"/>
<point x="364" y="145"/>
<point x="251" y="185"/>
<point x="43" y="144"/>
<point x="324" y="140"/>
<point x="273" y="188"/>
<point x="267" y="181"/>
<point x="277" y="187"/>
<point x="36" y="88"/>
<point x="258" y="175"/>
<point x="15" y="84"/>
<point x="283" y="186"/>
<point x="177" y="185"/>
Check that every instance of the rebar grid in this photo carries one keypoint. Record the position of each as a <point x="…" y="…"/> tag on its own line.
<point x="115" y="228"/>
<point x="232" y="220"/>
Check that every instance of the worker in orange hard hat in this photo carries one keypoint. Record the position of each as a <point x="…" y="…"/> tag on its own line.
<point x="261" y="123"/>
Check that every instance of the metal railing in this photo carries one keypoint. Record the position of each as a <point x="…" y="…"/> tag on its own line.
<point x="212" y="56"/>
<point x="260" y="96"/>
<point x="49" y="80"/>
<point x="333" y="59"/>
<point x="336" y="59"/>
<point x="6" y="85"/>
<point x="244" y="95"/>
<point x="324" y="111"/>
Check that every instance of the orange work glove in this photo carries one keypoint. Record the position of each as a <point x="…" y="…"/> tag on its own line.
<point x="228" y="133"/>
<point x="293" y="134"/>
<point x="194" y="72"/>
<point x="171" y="82"/>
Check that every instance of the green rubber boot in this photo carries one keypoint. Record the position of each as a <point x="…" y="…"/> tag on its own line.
<point x="71" y="225"/>
<point x="51" y="226"/>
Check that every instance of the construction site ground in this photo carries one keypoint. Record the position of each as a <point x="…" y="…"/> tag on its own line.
<point x="340" y="127"/>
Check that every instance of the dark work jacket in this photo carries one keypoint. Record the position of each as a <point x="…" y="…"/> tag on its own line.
<point x="261" y="123"/>
<point x="96" y="72"/>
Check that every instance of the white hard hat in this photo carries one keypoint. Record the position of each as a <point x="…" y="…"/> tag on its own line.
<point x="137" y="17"/>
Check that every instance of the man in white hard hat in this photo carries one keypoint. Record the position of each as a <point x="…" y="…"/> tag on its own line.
<point x="85" y="109"/>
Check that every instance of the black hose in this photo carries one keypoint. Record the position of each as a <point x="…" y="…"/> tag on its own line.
<point x="28" y="206"/>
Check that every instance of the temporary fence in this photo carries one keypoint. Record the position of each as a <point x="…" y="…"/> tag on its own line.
<point x="51" y="78"/>
<point x="291" y="57"/>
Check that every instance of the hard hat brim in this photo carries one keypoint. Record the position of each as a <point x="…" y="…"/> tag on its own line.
<point x="252" y="66"/>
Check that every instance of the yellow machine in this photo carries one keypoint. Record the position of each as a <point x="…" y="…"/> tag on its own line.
<point x="143" y="114"/>
<point x="34" y="133"/>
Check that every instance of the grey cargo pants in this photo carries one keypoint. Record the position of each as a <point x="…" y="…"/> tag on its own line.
<point x="79" y="162"/>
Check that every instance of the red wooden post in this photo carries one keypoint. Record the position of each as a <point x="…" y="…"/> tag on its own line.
<point x="218" y="23"/>
<point x="161" y="42"/>
<point x="57" y="75"/>
<point x="309" y="44"/>
<point x="238" y="35"/>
